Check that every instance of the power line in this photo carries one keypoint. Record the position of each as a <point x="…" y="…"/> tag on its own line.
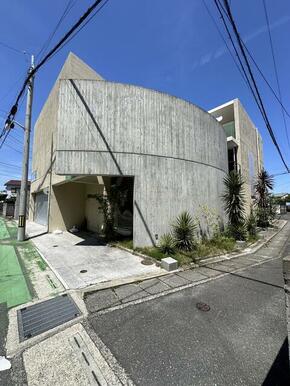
<point x="265" y="79"/>
<point x="67" y="9"/>
<point x="252" y="82"/>
<point x="12" y="48"/>
<point x="92" y="16"/>
<point x="72" y="32"/>
<point x="12" y="148"/>
<point x="10" y="165"/>
<point x="251" y="56"/>
<point x="14" y="139"/>
<point x="225" y="42"/>
<point x="275" y="68"/>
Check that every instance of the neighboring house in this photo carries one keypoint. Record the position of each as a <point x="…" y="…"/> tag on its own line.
<point x="244" y="144"/>
<point x="281" y="200"/>
<point x="166" y="154"/>
<point x="11" y="205"/>
<point x="280" y="196"/>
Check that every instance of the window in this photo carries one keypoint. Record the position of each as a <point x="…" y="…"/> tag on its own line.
<point x="230" y="129"/>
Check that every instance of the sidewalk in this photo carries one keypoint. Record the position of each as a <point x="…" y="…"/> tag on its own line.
<point x="24" y="276"/>
<point x="123" y="295"/>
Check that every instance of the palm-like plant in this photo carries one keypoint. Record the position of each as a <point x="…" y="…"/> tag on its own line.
<point x="167" y="244"/>
<point x="264" y="184"/>
<point x="183" y="230"/>
<point x="234" y="198"/>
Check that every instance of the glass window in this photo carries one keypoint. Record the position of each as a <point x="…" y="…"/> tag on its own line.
<point x="230" y="129"/>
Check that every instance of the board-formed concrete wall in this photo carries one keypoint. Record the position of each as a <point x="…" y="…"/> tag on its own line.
<point x="176" y="152"/>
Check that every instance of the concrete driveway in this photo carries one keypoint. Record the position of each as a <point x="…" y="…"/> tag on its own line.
<point x="79" y="262"/>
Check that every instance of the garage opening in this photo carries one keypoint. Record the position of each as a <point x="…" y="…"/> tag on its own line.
<point x="79" y="205"/>
<point x="41" y="208"/>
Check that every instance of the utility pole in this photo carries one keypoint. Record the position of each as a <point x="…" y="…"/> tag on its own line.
<point x="25" y="160"/>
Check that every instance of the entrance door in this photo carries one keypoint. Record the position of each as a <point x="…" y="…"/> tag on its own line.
<point x="41" y="207"/>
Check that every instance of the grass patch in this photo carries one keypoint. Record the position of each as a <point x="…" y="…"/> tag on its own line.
<point x="42" y="265"/>
<point x="126" y="243"/>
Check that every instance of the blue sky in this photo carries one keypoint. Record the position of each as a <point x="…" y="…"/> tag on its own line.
<point x="167" y="45"/>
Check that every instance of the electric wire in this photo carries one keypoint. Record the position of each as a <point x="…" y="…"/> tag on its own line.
<point x="252" y="58"/>
<point x="67" y="9"/>
<point x="252" y="82"/>
<point x="69" y="35"/>
<point x="275" y="68"/>
<point x="12" y="48"/>
<point x="224" y="40"/>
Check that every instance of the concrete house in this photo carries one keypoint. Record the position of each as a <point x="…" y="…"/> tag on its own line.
<point x="244" y="144"/>
<point x="166" y="154"/>
<point x="11" y="206"/>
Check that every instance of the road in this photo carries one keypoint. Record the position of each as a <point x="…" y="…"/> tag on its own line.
<point x="241" y="340"/>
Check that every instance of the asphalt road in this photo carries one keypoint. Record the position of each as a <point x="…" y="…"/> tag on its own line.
<point x="241" y="340"/>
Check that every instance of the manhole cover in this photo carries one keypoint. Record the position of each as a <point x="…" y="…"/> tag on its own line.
<point x="202" y="307"/>
<point x="41" y="317"/>
<point x="147" y="262"/>
<point x="83" y="271"/>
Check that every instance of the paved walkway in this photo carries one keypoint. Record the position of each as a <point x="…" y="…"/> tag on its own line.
<point x="23" y="273"/>
<point x="83" y="261"/>
<point x="115" y="297"/>
<point x="13" y="284"/>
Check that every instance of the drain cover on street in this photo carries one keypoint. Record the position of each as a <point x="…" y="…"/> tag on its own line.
<point x="202" y="306"/>
<point x="41" y="317"/>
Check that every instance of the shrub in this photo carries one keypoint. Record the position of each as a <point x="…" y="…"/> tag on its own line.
<point x="251" y="224"/>
<point x="183" y="232"/>
<point x="238" y="232"/>
<point x="167" y="244"/>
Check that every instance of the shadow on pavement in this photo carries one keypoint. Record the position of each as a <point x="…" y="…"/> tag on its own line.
<point x="279" y="373"/>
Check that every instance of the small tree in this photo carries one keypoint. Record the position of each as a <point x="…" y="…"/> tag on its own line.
<point x="234" y="201"/>
<point x="264" y="184"/>
<point x="109" y="204"/>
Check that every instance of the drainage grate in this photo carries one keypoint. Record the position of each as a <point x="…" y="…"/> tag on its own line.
<point x="41" y="317"/>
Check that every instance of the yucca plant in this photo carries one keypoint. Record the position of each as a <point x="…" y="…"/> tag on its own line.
<point x="183" y="230"/>
<point x="264" y="184"/>
<point x="167" y="244"/>
<point x="234" y="198"/>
